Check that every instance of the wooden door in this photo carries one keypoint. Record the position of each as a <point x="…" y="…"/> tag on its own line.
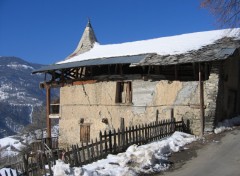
<point x="85" y="133"/>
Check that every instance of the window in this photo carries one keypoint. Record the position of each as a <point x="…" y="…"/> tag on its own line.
<point x="124" y="92"/>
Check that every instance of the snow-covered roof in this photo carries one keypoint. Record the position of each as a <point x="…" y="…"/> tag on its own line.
<point x="171" y="45"/>
<point x="186" y="48"/>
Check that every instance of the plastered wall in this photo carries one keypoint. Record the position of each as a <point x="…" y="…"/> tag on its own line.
<point x="151" y="101"/>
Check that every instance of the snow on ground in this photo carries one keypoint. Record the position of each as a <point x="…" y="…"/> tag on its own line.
<point x="3" y="170"/>
<point x="145" y="159"/>
<point x="227" y="124"/>
<point x="163" y="46"/>
<point x="12" y="145"/>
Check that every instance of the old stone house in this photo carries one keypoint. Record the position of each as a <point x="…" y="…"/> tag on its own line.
<point x="191" y="76"/>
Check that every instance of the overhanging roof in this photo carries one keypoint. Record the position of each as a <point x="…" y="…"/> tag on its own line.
<point x="93" y="62"/>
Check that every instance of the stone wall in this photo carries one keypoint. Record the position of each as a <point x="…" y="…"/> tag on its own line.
<point x="212" y="96"/>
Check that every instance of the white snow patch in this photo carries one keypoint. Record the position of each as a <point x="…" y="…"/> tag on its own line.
<point x="227" y="124"/>
<point x="145" y="159"/>
<point x="12" y="145"/>
<point x="163" y="46"/>
<point x="3" y="170"/>
<point x="19" y="66"/>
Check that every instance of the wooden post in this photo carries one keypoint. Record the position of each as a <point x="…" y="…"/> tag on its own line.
<point x="122" y="128"/>
<point x="201" y="100"/>
<point x="171" y="113"/>
<point x="157" y="113"/>
<point x="48" y="120"/>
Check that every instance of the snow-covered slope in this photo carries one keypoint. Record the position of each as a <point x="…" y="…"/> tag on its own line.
<point x="12" y="145"/>
<point x="19" y="94"/>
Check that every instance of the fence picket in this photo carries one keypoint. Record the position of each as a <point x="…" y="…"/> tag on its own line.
<point x="97" y="149"/>
<point x="119" y="140"/>
<point x="110" y="141"/>
<point x="101" y="145"/>
<point x="88" y="152"/>
<point x="127" y="142"/>
<point x="114" y="141"/>
<point x="78" y="154"/>
<point x="92" y="150"/>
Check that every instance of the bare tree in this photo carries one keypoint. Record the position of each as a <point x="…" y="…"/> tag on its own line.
<point x="227" y="12"/>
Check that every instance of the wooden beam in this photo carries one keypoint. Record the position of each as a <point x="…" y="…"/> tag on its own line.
<point x="201" y="100"/>
<point x="81" y="72"/>
<point x="48" y="120"/>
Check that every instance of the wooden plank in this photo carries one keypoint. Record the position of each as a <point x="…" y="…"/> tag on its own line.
<point x="114" y="141"/>
<point x="110" y="141"/>
<point x="146" y="135"/>
<point x="105" y="142"/>
<point x="101" y="145"/>
<point x="89" y="159"/>
<point x="127" y="142"/>
<point x="84" y="82"/>
<point x="97" y="149"/>
<point x="137" y="136"/>
<point x="79" y="155"/>
<point x="119" y="140"/>
<point x="93" y="151"/>
<point x="48" y="120"/>
<point x="122" y="128"/>
<point x="143" y="135"/>
<point x="83" y="154"/>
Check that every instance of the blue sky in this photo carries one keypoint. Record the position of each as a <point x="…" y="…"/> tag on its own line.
<point x="46" y="31"/>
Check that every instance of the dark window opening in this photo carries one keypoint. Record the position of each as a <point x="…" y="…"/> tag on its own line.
<point x="124" y="92"/>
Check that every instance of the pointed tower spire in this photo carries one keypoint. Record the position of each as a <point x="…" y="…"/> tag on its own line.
<point x="87" y="41"/>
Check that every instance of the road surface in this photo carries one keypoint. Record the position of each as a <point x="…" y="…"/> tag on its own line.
<point x="219" y="158"/>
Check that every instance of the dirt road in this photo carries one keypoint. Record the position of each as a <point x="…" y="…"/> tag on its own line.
<point x="220" y="157"/>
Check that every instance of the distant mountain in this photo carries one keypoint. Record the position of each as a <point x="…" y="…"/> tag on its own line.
<point x="19" y="94"/>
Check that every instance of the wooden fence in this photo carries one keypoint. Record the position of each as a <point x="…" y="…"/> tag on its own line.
<point x="116" y="141"/>
<point x="109" y="142"/>
<point x="35" y="164"/>
<point x="34" y="161"/>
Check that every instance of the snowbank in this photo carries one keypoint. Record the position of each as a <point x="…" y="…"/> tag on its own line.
<point x="227" y="124"/>
<point x="3" y="170"/>
<point x="145" y="159"/>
